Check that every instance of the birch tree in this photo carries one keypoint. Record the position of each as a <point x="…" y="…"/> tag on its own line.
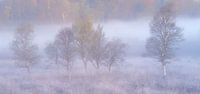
<point x="165" y="36"/>
<point x="65" y="42"/>
<point x="97" y="47"/>
<point x="25" y="51"/>
<point x="83" y="29"/>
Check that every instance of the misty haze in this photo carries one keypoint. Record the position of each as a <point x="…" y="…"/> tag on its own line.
<point x="99" y="46"/>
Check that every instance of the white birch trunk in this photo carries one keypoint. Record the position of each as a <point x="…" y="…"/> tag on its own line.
<point x="164" y="71"/>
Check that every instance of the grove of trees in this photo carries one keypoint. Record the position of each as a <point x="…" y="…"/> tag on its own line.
<point x="86" y="41"/>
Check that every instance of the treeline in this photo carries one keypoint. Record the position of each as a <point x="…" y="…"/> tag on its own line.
<point x="67" y="10"/>
<point x="80" y="42"/>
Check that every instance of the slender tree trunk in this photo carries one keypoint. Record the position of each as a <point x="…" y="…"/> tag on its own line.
<point x="164" y="70"/>
<point x="98" y="66"/>
<point x="28" y="70"/>
<point x="85" y="64"/>
<point x="93" y="64"/>
<point x="27" y="66"/>
<point x="56" y="59"/>
<point x="63" y="17"/>
<point x="109" y="67"/>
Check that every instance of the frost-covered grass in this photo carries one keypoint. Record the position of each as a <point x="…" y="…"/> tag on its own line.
<point x="138" y="75"/>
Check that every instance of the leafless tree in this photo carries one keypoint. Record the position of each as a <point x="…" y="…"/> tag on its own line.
<point x="97" y="47"/>
<point x="165" y="36"/>
<point x="25" y="52"/>
<point x="65" y="44"/>
<point x="114" y="53"/>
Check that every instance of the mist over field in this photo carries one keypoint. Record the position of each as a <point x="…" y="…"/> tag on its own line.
<point x="134" y="33"/>
<point x="99" y="47"/>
